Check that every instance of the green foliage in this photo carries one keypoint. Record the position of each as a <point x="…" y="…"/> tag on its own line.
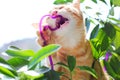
<point x="11" y="67"/>
<point x="89" y="70"/>
<point x="41" y="54"/>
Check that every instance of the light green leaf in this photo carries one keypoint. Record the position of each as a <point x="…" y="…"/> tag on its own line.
<point x="89" y="70"/>
<point x="116" y="2"/>
<point x="41" y="54"/>
<point x="71" y="62"/>
<point x="6" y="72"/>
<point x="81" y="1"/>
<point x="95" y="51"/>
<point x="20" y="53"/>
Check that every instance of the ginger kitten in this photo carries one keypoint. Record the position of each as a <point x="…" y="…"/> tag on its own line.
<point x="72" y="37"/>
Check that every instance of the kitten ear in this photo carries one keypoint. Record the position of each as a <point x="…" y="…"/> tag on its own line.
<point x="76" y="4"/>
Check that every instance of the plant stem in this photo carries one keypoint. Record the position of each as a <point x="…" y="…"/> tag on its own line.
<point x="70" y="75"/>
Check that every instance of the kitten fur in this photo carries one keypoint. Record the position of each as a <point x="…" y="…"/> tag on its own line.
<point x="72" y="37"/>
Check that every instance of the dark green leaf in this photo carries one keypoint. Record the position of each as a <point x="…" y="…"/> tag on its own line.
<point x="111" y="2"/>
<point x="89" y="70"/>
<point x="94" y="32"/>
<point x="110" y="70"/>
<point x="105" y="43"/>
<point x="115" y="63"/>
<point x="17" y="62"/>
<point x="6" y="72"/>
<point x="95" y="1"/>
<point x="109" y="30"/>
<point x="71" y="62"/>
<point x="52" y="75"/>
<point x="103" y="1"/>
<point x="41" y="54"/>
<point x="14" y="47"/>
<point x="87" y="23"/>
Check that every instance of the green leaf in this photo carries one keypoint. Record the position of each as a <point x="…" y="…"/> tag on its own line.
<point x="87" y="24"/>
<point x="14" y="47"/>
<point x="6" y="64"/>
<point x="20" y="53"/>
<point x="111" y="12"/>
<point x="94" y="31"/>
<point x="109" y="30"/>
<point x="95" y="1"/>
<point x="116" y="2"/>
<point x="71" y="62"/>
<point x="6" y="72"/>
<point x="110" y="70"/>
<point x="105" y="43"/>
<point x="62" y="64"/>
<point x="17" y="62"/>
<point x="61" y="1"/>
<point x="89" y="70"/>
<point x="116" y="20"/>
<point x="88" y="7"/>
<point x="52" y="75"/>
<point x="81" y="1"/>
<point x="41" y="54"/>
<point x="103" y="1"/>
<point x="93" y="44"/>
<point x="117" y="40"/>
<point x="98" y="13"/>
<point x="115" y="63"/>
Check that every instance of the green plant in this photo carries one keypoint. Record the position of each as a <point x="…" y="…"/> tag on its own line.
<point x="104" y="37"/>
<point x="30" y="62"/>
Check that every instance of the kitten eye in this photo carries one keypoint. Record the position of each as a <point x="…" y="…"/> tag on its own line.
<point x="65" y="19"/>
<point x="61" y="7"/>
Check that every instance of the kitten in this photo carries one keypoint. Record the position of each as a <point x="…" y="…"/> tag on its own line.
<point x="72" y="37"/>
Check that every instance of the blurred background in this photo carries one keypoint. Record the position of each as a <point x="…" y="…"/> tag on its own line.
<point x="17" y="16"/>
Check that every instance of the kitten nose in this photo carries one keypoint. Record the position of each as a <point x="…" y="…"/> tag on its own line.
<point x="54" y="13"/>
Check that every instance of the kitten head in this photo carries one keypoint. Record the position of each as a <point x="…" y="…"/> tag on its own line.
<point x="72" y="31"/>
<point x="71" y="13"/>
